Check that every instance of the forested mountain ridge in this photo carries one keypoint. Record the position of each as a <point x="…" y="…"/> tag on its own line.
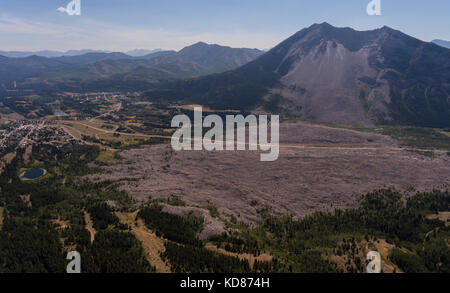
<point x="118" y="71"/>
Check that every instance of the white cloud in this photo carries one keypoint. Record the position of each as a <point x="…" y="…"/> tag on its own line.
<point x="61" y="9"/>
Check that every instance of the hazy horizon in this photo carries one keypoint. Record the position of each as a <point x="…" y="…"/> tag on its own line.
<point x="163" y="49"/>
<point x="120" y="27"/>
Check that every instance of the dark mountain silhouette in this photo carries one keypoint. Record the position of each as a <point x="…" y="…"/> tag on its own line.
<point x="337" y="75"/>
<point x="19" y="68"/>
<point x="217" y="58"/>
<point x="210" y="58"/>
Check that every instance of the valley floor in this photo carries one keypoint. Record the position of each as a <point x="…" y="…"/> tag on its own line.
<point x="319" y="168"/>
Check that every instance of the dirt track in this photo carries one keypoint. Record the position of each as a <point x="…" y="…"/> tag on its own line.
<point x="319" y="168"/>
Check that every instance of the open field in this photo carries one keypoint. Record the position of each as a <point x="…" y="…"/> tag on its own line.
<point x="204" y="109"/>
<point x="105" y="156"/>
<point x="152" y="244"/>
<point x="90" y="226"/>
<point x="265" y="257"/>
<point x="95" y="132"/>
<point x="441" y="216"/>
<point x="319" y="168"/>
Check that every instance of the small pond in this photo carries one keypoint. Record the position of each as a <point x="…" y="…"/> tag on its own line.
<point x="33" y="174"/>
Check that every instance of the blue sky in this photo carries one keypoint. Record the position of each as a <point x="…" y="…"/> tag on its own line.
<point x="121" y="25"/>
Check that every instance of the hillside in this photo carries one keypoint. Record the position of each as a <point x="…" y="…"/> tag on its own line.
<point x="339" y="75"/>
<point x="18" y="68"/>
<point x="118" y="71"/>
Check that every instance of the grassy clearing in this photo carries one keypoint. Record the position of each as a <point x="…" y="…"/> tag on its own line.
<point x="408" y="136"/>
<point x="87" y="129"/>
<point x="213" y="211"/>
<point x="384" y="248"/>
<point x="90" y="226"/>
<point x="153" y="245"/>
<point x="105" y="156"/>
<point x="265" y="257"/>
<point x="425" y="138"/>
<point x="441" y="216"/>
<point x="350" y="127"/>
<point x="445" y="132"/>
<point x="94" y="132"/>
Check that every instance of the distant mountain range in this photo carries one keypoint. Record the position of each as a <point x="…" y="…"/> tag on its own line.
<point x="442" y="43"/>
<point x="142" y="52"/>
<point x="321" y="73"/>
<point x="338" y="75"/>
<point x="119" y="71"/>
<point x="52" y="54"/>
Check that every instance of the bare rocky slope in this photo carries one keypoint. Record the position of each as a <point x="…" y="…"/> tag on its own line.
<point x="340" y="75"/>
